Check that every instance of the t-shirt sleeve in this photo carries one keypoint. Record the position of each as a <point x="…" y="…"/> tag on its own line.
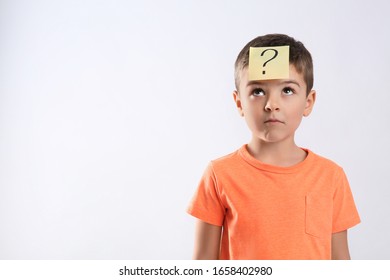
<point x="206" y="204"/>
<point x="345" y="214"/>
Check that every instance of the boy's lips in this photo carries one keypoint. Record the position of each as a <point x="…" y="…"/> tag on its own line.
<point x="273" y="121"/>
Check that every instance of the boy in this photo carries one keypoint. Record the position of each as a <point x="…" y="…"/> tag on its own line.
<point x="272" y="199"/>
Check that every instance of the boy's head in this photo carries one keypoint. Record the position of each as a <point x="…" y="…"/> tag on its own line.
<point x="300" y="57"/>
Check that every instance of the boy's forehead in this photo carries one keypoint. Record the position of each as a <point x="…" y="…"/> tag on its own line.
<point x="293" y="75"/>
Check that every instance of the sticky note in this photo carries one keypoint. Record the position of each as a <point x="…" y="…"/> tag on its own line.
<point x="267" y="63"/>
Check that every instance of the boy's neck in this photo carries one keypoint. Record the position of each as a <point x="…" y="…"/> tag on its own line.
<point x="279" y="154"/>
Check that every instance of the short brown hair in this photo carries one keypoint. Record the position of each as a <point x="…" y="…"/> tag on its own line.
<point x="299" y="56"/>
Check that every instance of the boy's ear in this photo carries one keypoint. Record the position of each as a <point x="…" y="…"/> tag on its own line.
<point x="237" y="100"/>
<point x="310" y="100"/>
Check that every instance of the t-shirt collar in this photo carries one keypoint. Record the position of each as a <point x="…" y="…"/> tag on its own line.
<point x="244" y="153"/>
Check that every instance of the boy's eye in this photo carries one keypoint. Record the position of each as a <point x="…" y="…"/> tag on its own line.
<point x="258" y="92"/>
<point x="288" y="91"/>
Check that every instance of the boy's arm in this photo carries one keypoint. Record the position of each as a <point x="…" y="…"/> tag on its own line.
<point x="340" y="249"/>
<point x="207" y="241"/>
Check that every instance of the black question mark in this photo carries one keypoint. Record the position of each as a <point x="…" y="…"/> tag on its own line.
<point x="275" y="55"/>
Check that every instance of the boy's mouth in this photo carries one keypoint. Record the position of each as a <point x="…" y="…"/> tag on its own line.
<point x="273" y="121"/>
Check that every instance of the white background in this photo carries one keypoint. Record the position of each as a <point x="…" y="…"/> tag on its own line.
<point x="111" y="110"/>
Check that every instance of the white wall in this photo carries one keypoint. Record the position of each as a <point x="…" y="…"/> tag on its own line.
<point x="110" y="111"/>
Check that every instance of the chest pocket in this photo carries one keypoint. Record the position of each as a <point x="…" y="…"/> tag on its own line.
<point x="318" y="215"/>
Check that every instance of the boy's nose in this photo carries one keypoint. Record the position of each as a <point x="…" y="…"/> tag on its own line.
<point x="271" y="105"/>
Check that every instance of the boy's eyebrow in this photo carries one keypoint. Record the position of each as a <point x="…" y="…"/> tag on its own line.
<point x="283" y="82"/>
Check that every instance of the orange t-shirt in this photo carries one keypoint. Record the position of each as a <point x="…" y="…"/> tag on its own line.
<point x="273" y="212"/>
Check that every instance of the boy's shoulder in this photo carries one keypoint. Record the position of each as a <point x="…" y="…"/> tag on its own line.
<point x="325" y="162"/>
<point x="226" y="159"/>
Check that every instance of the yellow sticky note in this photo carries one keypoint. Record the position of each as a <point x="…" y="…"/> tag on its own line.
<point x="266" y="63"/>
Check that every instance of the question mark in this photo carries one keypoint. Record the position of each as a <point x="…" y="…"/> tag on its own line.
<point x="275" y="55"/>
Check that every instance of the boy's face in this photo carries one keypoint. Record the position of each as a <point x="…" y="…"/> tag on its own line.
<point x="273" y="109"/>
